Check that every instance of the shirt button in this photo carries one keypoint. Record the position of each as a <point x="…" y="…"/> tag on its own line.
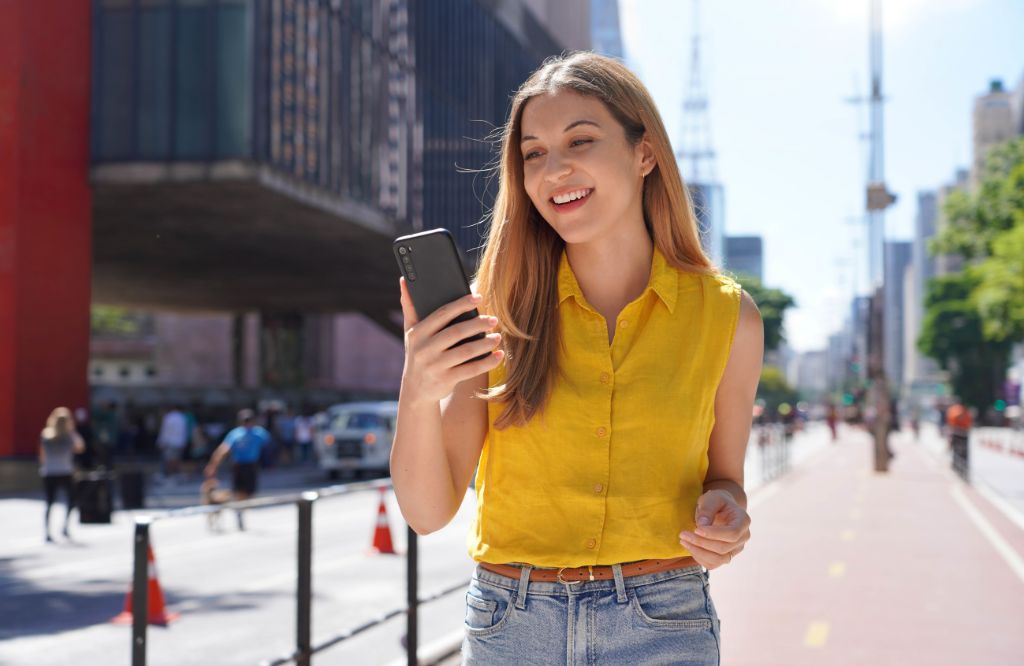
<point x="602" y="431"/>
<point x="605" y="377"/>
<point x="598" y="488"/>
<point x="591" y="543"/>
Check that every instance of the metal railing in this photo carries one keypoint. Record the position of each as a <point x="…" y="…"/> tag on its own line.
<point x="304" y="648"/>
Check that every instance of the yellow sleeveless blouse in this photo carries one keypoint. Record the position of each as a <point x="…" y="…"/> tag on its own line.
<point x="611" y="469"/>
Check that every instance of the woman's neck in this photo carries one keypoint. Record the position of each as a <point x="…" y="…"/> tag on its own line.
<point x="612" y="272"/>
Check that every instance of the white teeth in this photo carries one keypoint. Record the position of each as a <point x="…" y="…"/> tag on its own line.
<point x="570" y="196"/>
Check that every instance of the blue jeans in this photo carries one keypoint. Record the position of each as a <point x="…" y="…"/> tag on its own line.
<point x="660" y="618"/>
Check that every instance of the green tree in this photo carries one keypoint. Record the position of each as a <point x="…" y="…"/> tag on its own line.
<point x="952" y="333"/>
<point x="773" y="304"/>
<point x="774" y="390"/>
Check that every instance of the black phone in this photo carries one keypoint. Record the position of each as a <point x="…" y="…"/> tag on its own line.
<point x="433" y="272"/>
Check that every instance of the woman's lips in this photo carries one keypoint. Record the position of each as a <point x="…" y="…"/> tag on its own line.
<point x="572" y="205"/>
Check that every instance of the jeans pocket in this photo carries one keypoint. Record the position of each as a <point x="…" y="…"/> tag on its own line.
<point x="479" y="612"/>
<point x="487" y="607"/>
<point x="676" y="603"/>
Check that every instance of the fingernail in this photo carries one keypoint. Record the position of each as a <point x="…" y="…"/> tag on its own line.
<point x="477" y="298"/>
<point x="704" y="520"/>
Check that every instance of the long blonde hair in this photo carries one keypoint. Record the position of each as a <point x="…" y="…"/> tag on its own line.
<point x="518" y="271"/>
<point x="60" y="422"/>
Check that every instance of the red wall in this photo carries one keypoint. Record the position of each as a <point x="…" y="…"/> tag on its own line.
<point x="45" y="215"/>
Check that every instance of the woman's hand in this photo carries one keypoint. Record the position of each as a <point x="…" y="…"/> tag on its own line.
<point x="723" y="527"/>
<point x="433" y="365"/>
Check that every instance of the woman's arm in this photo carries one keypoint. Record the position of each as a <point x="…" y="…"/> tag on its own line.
<point x="723" y="525"/>
<point x="77" y="443"/>
<point x="734" y="404"/>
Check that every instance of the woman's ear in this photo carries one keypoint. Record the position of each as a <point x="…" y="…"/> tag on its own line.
<point x="645" y="153"/>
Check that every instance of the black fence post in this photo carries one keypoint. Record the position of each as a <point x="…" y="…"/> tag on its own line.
<point x="412" y="600"/>
<point x="140" y="591"/>
<point x="304" y="595"/>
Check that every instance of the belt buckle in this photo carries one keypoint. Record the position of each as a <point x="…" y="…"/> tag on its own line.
<point x="558" y="576"/>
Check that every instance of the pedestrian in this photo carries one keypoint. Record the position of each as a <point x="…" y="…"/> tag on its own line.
<point x="960" y="421"/>
<point x="832" y="418"/>
<point x="58" y="444"/>
<point x="171" y="440"/>
<point x="304" y="436"/>
<point x="611" y="413"/>
<point x="244" y="444"/>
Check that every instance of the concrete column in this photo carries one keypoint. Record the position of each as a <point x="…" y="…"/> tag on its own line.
<point x="45" y="215"/>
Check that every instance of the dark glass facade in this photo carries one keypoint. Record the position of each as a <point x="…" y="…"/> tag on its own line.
<point x="385" y="103"/>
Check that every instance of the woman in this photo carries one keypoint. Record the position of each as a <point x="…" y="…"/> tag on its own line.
<point x="611" y="416"/>
<point x="58" y="444"/>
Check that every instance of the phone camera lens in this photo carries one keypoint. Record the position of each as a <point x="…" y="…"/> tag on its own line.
<point x="402" y="250"/>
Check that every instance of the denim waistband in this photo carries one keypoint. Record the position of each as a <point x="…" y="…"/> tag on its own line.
<point x="554" y="588"/>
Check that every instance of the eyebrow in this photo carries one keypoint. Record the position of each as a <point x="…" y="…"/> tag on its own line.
<point x="574" y="123"/>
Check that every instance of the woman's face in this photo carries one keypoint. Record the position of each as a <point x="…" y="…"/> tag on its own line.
<point x="579" y="170"/>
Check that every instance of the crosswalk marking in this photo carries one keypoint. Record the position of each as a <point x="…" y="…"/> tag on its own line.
<point x="817" y="634"/>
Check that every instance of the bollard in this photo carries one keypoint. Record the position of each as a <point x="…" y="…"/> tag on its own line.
<point x="304" y="596"/>
<point x="412" y="599"/>
<point x="140" y="592"/>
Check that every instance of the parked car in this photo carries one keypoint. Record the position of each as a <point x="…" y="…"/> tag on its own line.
<point x="355" y="438"/>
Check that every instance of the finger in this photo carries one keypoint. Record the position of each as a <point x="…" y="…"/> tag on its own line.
<point x="709" y="558"/>
<point x="474" y="368"/>
<point x="452" y="335"/>
<point x="720" y="547"/>
<point x="442" y="316"/>
<point x="458" y="355"/>
<point x="726" y="532"/>
<point x="408" y="311"/>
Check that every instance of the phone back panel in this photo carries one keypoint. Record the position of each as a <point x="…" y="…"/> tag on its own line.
<point x="437" y="269"/>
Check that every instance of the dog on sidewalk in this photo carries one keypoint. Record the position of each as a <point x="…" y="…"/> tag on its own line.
<point x="211" y="494"/>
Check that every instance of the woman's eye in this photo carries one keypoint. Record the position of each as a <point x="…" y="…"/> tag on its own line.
<point x="579" y="142"/>
<point x="530" y="155"/>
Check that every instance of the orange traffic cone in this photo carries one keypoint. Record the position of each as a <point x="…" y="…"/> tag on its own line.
<point x="382" y="533"/>
<point x="157" y="613"/>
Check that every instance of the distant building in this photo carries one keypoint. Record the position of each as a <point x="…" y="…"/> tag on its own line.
<point x="604" y="28"/>
<point x="946" y="264"/>
<point x="744" y="255"/>
<point x="808" y="373"/>
<point x="920" y="372"/>
<point x="994" y="122"/>
<point x="896" y="259"/>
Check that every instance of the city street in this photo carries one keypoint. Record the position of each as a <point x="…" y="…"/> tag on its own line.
<point x="844" y="567"/>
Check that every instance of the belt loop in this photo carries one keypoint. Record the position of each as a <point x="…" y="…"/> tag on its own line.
<point x="620" y="584"/>
<point x="524" y="582"/>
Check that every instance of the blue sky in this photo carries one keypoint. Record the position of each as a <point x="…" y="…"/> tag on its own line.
<point x="778" y="75"/>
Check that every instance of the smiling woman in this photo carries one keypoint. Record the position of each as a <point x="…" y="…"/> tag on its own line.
<point x="609" y="427"/>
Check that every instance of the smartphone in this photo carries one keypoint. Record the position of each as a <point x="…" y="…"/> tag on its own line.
<point x="434" y="275"/>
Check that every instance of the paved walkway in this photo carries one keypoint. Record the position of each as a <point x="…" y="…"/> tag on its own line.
<point x="849" y="567"/>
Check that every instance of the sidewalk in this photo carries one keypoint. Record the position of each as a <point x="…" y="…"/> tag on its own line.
<point x="849" y="567"/>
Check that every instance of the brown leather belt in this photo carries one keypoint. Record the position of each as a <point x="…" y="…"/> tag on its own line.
<point x="586" y="573"/>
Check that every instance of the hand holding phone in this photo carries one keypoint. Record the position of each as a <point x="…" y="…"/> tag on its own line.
<point x="446" y="340"/>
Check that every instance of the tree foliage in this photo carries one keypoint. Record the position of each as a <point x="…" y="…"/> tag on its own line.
<point x="773" y="304"/>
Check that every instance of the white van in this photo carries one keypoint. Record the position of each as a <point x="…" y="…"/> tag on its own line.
<point x="355" y="438"/>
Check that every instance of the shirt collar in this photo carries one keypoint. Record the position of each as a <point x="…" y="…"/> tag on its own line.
<point x="664" y="281"/>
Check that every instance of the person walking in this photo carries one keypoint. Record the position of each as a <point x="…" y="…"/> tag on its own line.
<point x="59" y="442"/>
<point x="171" y="440"/>
<point x="244" y="444"/>
<point x="960" y="422"/>
<point x="609" y="418"/>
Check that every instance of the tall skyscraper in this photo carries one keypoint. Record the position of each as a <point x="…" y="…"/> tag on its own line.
<point x="744" y="255"/>
<point x="896" y="259"/>
<point x="918" y="368"/>
<point x="994" y="123"/>
<point x="604" y="28"/>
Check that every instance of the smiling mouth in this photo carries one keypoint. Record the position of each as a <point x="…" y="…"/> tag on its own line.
<point x="579" y="196"/>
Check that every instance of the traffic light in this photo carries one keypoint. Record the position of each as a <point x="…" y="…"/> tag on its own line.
<point x="1000" y="405"/>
